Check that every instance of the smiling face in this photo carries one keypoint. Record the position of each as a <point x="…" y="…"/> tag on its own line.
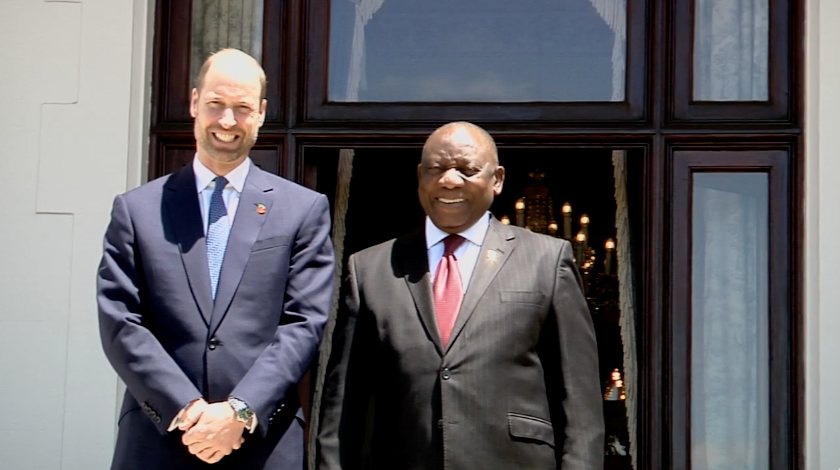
<point x="459" y="176"/>
<point x="228" y="111"/>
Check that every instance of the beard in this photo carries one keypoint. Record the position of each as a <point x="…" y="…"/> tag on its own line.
<point x="208" y="143"/>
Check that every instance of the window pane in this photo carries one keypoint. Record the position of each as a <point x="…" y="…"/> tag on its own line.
<point x="729" y="342"/>
<point x="477" y="50"/>
<point x="217" y="24"/>
<point x="731" y="50"/>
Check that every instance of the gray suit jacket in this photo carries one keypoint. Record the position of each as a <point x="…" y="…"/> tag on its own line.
<point x="517" y="387"/>
<point x="171" y="343"/>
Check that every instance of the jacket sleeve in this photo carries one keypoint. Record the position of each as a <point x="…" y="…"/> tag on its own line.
<point x="149" y="372"/>
<point x="309" y="291"/>
<point x="582" y="400"/>
<point x="347" y="384"/>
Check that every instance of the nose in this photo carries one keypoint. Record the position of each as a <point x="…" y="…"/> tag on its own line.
<point x="451" y="178"/>
<point x="227" y="119"/>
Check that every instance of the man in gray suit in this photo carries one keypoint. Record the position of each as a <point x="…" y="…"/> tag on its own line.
<point x="213" y="292"/>
<point x="472" y="338"/>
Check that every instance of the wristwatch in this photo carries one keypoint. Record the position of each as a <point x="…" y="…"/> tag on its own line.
<point x="244" y="414"/>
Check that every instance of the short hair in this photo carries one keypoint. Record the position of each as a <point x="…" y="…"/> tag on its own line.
<point x="202" y="73"/>
<point x="482" y="137"/>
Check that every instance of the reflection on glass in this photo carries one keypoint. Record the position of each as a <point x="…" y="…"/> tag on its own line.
<point x="477" y="50"/>
<point x="217" y="24"/>
<point x="731" y="50"/>
<point x="729" y="341"/>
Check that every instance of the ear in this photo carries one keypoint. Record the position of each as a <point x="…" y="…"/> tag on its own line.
<point x="194" y="103"/>
<point x="263" y="106"/>
<point x="498" y="180"/>
<point x="419" y="166"/>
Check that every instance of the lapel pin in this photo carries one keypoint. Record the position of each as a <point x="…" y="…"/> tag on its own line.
<point x="493" y="256"/>
<point x="260" y="209"/>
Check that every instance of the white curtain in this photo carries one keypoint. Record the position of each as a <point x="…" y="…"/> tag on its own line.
<point x="614" y="13"/>
<point x="217" y="24"/>
<point x="356" y="74"/>
<point x="729" y="353"/>
<point x="731" y="50"/>
<point x="626" y="295"/>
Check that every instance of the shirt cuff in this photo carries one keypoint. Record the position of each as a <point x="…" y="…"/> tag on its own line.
<point x="179" y="418"/>
<point x="252" y="425"/>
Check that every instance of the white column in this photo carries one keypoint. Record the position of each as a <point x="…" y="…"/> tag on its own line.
<point x="822" y="157"/>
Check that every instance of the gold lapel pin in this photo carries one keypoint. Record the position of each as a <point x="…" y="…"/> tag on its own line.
<point x="260" y="209"/>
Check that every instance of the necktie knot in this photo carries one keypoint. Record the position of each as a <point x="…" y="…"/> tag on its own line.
<point x="451" y="243"/>
<point x="221" y="182"/>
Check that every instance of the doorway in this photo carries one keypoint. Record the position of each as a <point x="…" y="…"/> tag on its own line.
<point x="570" y="193"/>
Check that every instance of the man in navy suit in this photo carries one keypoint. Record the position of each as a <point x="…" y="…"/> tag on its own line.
<point x="213" y="291"/>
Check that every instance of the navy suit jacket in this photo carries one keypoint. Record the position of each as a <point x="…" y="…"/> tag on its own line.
<point x="171" y="343"/>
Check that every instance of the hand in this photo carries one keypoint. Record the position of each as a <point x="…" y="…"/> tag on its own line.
<point x="192" y="414"/>
<point x="216" y="434"/>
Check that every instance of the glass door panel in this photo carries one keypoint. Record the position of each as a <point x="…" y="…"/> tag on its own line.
<point x="217" y="24"/>
<point x="477" y="50"/>
<point x="731" y="50"/>
<point x="730" y="361"/>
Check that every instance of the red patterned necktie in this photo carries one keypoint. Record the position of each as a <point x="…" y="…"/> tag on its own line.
<point x="448" y="290"/>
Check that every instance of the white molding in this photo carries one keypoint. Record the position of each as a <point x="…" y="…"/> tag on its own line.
<point x="142" y="56"/>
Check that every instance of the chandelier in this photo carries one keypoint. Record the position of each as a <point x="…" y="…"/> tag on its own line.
<point x="534" y="211"/>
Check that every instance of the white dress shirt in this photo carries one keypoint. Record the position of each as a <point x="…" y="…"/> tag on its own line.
<point x="466" y="254"/>
<point x="204" y="184"/>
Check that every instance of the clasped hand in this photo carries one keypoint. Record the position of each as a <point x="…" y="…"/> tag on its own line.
<point x="211" y="430"/>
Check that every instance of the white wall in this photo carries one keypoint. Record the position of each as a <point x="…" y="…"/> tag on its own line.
<point x="72" y="94"/>
<point x="822" y="282"/>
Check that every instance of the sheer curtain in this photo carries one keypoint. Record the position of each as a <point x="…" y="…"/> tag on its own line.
<point x="217" y="24"/>
<point x="626" y="295"/>
<point x="729" y="343"/>
<point x="731" y="50"/>
<point x="614" y="13"/>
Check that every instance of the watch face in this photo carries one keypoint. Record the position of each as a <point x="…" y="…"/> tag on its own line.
<point x="243" y="412"/>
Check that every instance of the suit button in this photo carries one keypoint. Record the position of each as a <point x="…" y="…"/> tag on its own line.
<point x="440" y="424"/>
<point x="444" y="374"/>
<point x="213" y="344"/>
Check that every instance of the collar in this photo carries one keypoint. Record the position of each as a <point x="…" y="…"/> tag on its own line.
<point x="236" y="177"/>
<point x="475" y="234"/>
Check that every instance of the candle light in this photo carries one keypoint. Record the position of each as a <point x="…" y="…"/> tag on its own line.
<point x="608" y="259"/>
<point x="581" y="240"/>
<point x="584" y="229"/>
<point x="552" y="228"/>
<point x="505" y="220"/>
<point x="520" y="212"/>
<point x="567" y="221"/>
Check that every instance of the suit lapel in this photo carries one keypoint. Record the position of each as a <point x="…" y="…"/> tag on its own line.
<point x="246" y="227"/>
<point x="184" y="212"/>
<point x="410" y="253"/>
<point x="496" y="249"/>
